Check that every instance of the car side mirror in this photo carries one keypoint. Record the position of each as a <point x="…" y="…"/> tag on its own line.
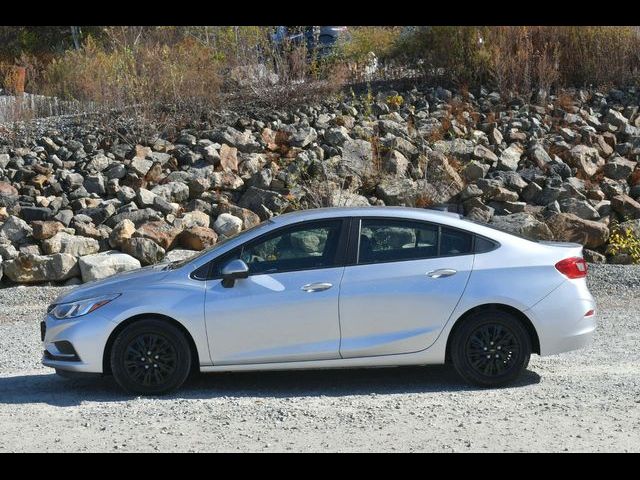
<point x="232" y="271"/>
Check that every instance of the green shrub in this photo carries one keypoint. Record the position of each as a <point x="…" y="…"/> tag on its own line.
<point x="624" y="241"/>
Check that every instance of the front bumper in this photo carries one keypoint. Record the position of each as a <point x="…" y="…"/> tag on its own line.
<point x="87" y="334"/>
<point x="560" y="319"/>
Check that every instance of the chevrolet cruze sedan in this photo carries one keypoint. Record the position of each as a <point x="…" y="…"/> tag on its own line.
<point x="339" y="287"/>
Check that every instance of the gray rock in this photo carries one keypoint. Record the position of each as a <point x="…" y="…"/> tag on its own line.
<point x="458" y="147"/>
<point x="227" y="225"/>
<point x="510" y="158"/>
<point x="482" y="153"/>
<point x="94" y="184"/>
<point x="8" y="251"/>
<point x="243" y="141"/>
<point x="626" y="206"/>
<point x="578" y="207"/>
<point x="343" y="198"/>
<point x="144" y="249"/>
<point x="357" y="159"/>
<point x="138" y="217"/>
<point x="105" y="264"/>
<point x="172" y="192"/>
<point x="75" y="245"/>
<point x="397" y="191"/>
<point x="523" y="224"/>
<point x="567" y="227"/>
<point x="141" y="165"/>
<point x="616" y="119"/>
<point x="256" y="199"/>
<point x="41" y="268"/>
<point x="303" y="137"/>
<point x="15" y="230"/>
<point x="126" y="194"/>
<point x="179" y="254"/>
<point x="336" y="136"/>
<point x="145" y="198"/>
<point x="585" y="159"/>
<point x="396" y="163"/>
<point x="30" y="214"/>
<point x="619" y="168"/>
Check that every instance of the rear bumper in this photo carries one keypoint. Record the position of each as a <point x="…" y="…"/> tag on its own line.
<point x="560" y="319"/>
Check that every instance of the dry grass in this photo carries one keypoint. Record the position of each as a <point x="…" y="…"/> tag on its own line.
<point x="522" y="59"/>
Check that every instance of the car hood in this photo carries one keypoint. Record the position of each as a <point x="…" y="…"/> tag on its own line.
<point x="118" y="283"/>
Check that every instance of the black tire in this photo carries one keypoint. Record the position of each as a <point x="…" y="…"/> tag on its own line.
<point x="163" y="367"/>
<point x="490" y="348"/>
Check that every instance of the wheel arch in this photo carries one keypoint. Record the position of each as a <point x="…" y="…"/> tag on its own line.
<point x="106" y="363"/>
<point x="521" y="316"/>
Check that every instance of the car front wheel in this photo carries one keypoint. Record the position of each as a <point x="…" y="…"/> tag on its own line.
<point x="490" y="348"/>
<point x="150" y="357"/>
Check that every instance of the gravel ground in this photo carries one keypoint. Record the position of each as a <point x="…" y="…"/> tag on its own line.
<point x="587" y="400"/>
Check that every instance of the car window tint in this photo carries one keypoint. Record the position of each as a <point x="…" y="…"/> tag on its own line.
<point x="483" y="245"/>
<point x="302" y="247"/>
<point x="383" y="240"/>
<point x="455" y="242"/>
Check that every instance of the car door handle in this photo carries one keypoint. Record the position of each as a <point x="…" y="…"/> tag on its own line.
<point x="443" y="272"/>
<point x="317" y="287"/>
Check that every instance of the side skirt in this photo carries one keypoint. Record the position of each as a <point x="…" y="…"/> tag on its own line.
<point x="418" y="358"/>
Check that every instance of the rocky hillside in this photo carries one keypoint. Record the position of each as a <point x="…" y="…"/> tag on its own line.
<point x="85" y="199"/>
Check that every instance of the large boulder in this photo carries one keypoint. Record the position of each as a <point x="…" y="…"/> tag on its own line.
<point x="105" y="264"/>
<point x="41" y="268"/>
<point x="160" y="232"/>
<point x="172" y="192"/>
<point x="144" y="249"/>
<point x="75" y="245"/>
<point x="356" y="159"/>
<point x="44" y="230"/>
<point x="567" y="227"/>
<point x="585" y="159"/>
<point x="249" y="218"/>
<point x="523" y="224"/>
<point x="257" y="200"/>
<point x="581" y="208"/>
<point x="137" y="217"/>
<point x="123" y="230"/>
<point x="198" y="238"/>
<point x="15" y="230"/>
<point x="626" y="206"/>
<point x="8" y="190"/>
<point x="343" y="198"/>
<point x="227" y="225"/>
<point x="179" y="254"/>
<point x="633" y="225"/>
<point x="619" y="168"/>
<point x="510" y="158"/>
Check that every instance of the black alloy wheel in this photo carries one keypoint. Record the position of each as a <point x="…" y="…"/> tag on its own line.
<point x="490" y="348"/>
<point x="150" y="357"/>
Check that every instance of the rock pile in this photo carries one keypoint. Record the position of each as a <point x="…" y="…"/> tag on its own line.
<point x="79" y="201"/>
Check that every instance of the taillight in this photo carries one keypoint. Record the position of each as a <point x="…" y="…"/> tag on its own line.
<point x="574" y="267"/>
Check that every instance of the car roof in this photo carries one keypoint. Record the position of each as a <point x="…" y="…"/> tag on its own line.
<point x="425" y="214"/>
<point x="333" y="212"/>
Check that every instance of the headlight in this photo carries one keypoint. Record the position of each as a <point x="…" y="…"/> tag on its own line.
<point x="79" y="307"/>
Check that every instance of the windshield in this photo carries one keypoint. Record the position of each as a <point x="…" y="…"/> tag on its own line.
<point x="180" y="263"/>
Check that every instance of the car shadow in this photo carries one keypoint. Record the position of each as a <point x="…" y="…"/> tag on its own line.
<point x="54" y="390"/>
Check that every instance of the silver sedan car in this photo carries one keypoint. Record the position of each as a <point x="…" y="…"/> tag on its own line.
<point x="339" y="287"/>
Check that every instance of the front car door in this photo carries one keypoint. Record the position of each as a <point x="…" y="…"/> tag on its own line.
<point x="407" y="279"/>
<point x="287" y="310"/>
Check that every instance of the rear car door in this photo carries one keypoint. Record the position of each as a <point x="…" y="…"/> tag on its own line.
<point x="405" y="281"/>
<point x="287" y="309"/>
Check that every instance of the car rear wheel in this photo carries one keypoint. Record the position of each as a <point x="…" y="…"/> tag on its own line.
<point x="490" y="348"/>
<point x="150" y="357"/>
